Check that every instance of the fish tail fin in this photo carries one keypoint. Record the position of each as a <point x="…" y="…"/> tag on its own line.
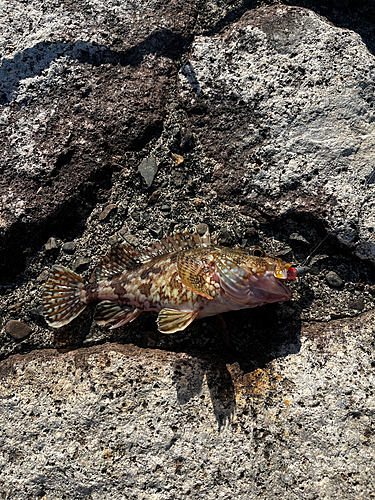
<point x="62" y="298"/>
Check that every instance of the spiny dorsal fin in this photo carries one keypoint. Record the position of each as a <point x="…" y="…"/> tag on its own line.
<point x="123" y="257"/>
<point x="181" y="241"/>
<point x="119" y="259"/>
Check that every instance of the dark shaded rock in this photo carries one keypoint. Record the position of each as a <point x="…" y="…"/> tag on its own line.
<point x="108" y="209"/>
<point x="156" y="231"/>
<point x="334" y="279"/>
<point x="148" y="169"/>
<point x="356" y="304"/>
<point x="69" y="247"/>
<point x="73" y="95"/>
<point x="17" y="329"/>
<point x="165" y="208"/>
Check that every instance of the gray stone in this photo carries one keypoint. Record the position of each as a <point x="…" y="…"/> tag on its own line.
<point x="148" y="169"/>
<point x="283" y="101"/>
<point x="108" y="209"/>
<point x="17" y="329"/>
<point x="141" y="423"/>
<point x="298" y="238"/>
<point x="334" y="280"/>
<point x="202" y="229"/>
<point x="80" y="262"/>
<point x="69" y="247"/>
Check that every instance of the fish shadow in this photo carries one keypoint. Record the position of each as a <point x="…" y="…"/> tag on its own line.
<point x="252" y="340"/>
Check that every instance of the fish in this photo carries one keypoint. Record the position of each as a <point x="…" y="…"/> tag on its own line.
<point x="183" y="277"/>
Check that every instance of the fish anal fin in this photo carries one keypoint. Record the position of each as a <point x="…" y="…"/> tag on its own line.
<point x="173" y="320"/>
<point x="108" y="312"/>
<point x="197" y="276"/>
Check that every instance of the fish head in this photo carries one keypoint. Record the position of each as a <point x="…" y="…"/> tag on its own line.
<point x="253" y="278"/>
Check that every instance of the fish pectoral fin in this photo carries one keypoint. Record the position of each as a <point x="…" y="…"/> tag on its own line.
<point x="173" y="320"/>
<point x="197" y="276"/>
<point x="107" y="312"/>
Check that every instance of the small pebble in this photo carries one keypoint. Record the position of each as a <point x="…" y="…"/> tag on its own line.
<point x="107" y="210"/>
<point x="334" y="279"/>
<point x="165" y="208"/>
<point x="136" y="216"/>
<point x="148" y="169"/>
<point x="154" y="197"/>
<point x="17" y="329"/>
<point x="43" y="275"/>
<point x="202" y="229"/>
<point x="51" y="244"/>
<point x="297" y="238"/>
<point x="356" y="304"/>
<point x="15" y="307"/>
<point x="69" y="247"/>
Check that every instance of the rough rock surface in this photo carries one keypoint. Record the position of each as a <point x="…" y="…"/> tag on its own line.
<point x="117" y="421"/>
<point x="284" y="102"/>
<point x="261" y="128"/>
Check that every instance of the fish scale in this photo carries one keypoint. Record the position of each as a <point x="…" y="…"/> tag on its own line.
<point x="182" y="278"/>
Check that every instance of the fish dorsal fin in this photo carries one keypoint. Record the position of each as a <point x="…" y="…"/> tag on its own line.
<point x="198" y="275"/>
<point x="123" y="257"/>
<point x="181" y="241"/>
<point x="173" y="320"/>
<point x="119" y="259"/>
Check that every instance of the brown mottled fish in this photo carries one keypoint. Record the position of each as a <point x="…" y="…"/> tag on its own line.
<point x="182" y="277"/>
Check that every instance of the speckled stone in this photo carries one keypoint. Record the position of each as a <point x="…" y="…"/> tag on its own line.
<point x="17" y="329"/>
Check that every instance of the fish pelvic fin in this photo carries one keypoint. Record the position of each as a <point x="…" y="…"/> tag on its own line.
<point x="61" y="299"/>
<point x="173" y="320"/>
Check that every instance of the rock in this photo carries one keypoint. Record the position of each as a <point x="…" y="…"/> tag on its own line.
<point x="298" y="238"/>
<point x="148" y="169"/>
<point x="334" y="279"/>
<point x="202" y="229"/>
<point x="69" y="247"/>
<point x="356" y="304"/>
<point x="17" y="329"/>
<point x="80" y="262"/>
<point x="107" y="210"/>
<point x="165" y="208"/>
<point x="156" y="231"/>
<point x="77" y="90"/>
<point x="315" y="132"/>
<point x="52" y="244"/>
<point x="161" y="415"/>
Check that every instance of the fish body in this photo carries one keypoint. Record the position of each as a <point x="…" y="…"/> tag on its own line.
<point x="183" y="277"/>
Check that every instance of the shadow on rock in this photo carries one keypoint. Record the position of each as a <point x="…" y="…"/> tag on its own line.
<point x="31" y="62"/>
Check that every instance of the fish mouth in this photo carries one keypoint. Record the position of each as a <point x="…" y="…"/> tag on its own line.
<point x="271" y="289"/>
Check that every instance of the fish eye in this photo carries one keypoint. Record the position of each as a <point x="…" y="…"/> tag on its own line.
<point x="256" y="252"/>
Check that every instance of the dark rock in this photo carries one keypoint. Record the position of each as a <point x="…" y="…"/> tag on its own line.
<point x="357" y="304"/>
<point x="187" y="139"/>
<point x="17" y="329"/>
<point x="148" y="169"/>
<point x="82" y="90"/>
<point x="202" y="229"/>
<point x="165" y="208"/>
<point x="154" y="197"/>
<point x="334" y="279"/>
<point x="136" y="216"/>
<point x="107" y="210"/>
<point x="69" y="247"/>
<point x="156" y="231"/>
<point x="52" y="244"/>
